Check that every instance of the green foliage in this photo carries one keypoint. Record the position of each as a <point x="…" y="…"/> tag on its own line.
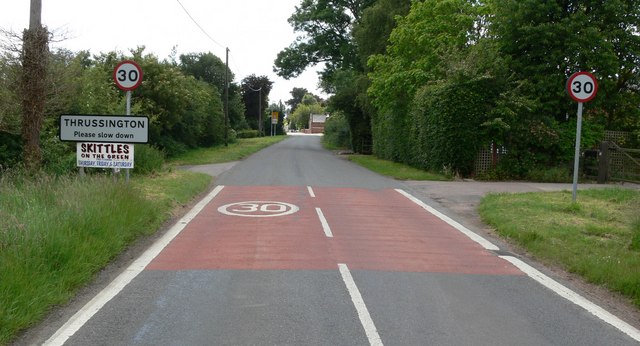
<point x="635" y="239"/>
<point x="185" y="112"/>
<point x="58" y="232"/>
<point x="304" y="110"/>
<point x="336" y="132"/>
<point x="10" y="149"/>
<point x="325" y="36"/>
<point x="593" y="238"/>
<point x="446" y="124"/>
<point x="148" y="159"/>
<point x="547" y="41"/>
<point x="247" y="133"/>
<point x="396" y="170"/>
<point x="418" y="55"/>
<point x="255" y="94"/>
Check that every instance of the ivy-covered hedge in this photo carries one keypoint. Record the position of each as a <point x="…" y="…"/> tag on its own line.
<point x="446" y="124"/>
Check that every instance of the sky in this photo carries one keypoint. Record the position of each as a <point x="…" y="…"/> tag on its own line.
<point x="253" y="30"/>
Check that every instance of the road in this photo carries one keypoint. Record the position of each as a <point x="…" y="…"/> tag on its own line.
<point x="296" y="246"/>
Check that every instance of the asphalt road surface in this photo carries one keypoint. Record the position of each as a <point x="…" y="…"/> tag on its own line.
<point x="296" y="246"/>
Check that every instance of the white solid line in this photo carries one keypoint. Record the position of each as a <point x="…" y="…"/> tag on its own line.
<point x="475" y="237"/>
<point x="92" y="307"/>
<point x="363" y="313"/>
<point x="574" y="297"/>
<point x="325" y="224"/>
<point x="313" y="195"/>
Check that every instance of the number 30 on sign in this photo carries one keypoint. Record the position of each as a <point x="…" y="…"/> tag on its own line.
<point x="582" y="86"/>
<point x="127" y="75"/>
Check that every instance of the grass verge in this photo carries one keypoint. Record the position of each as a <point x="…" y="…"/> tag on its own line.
<point x="395" y="170"/>
<point x="597" y="238"/>
<point x="57" y="233"/>
<point x="234" y="152"/>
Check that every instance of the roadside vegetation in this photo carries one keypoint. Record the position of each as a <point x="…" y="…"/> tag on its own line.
<point x="395" y="170"/>
<point x="432" y="83"/>
<point x="597" y="238"/>
<point x="57" y="232"/>
<point x="234" y="152"/>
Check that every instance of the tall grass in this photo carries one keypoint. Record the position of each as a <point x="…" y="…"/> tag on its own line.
<point x="597" y="238"/>
<point x="394" y="169"/>
<point x="57" y="232"/>
<point x="238" y="150"/>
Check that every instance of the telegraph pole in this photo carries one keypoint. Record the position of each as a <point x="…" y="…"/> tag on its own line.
<point x="34" y="73"/>
<point x="226" y="100"/>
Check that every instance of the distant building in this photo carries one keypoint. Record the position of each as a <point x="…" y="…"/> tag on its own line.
<point x="316" y="123"/>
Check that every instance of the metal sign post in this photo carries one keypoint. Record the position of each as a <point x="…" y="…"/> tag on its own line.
<point x="274" y="123"/>
<point x="128" y="76"/>
<point x="582" y="87"/>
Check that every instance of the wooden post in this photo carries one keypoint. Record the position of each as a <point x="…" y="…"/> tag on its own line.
<point x="603" y="163"/>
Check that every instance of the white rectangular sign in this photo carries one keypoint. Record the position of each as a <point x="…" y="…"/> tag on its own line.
<point x="104" y="128"/>
<point x="104" y="155"/>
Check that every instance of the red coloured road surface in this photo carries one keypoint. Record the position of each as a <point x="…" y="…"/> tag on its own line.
<point x="372" y="230"/>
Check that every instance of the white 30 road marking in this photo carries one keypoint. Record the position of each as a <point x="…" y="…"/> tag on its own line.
<point x="536" y="275"/>
<point x="92" y="307"/>
<point x="363" y="313"/>
<point x="258" y="209"/>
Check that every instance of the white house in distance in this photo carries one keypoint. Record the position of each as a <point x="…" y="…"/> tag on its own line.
<point x="316" y="123"/>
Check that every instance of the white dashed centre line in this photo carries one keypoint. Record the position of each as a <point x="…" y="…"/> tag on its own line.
<point x="363" y="313"/>
<point x="311" y="193"/>
<point x="325" y="224"/>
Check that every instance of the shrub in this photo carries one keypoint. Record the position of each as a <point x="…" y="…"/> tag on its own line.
<point x="148" y="159"/>
<point x="336" y="132"/>
<point x="447" y="124"/>
<point x="247" y="133"/>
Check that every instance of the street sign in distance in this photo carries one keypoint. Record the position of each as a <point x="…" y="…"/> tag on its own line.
<point x="127" y="75"/>
<point x="582" y="86"/>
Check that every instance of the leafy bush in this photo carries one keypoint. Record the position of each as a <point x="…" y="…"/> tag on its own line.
<point x="233" y="136"/>
<point x="336" y="131"/>
<point x="550" y="175"/>
<point x="247" y="134"/>
<point x="10" y="149"/>
<point x="447" y="124"/>
<point x="148" y="159"/>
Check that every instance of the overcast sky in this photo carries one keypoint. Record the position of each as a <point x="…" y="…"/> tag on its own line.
<point x="254" y="30"/>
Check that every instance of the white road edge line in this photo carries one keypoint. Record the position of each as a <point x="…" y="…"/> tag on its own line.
<point x="475" y="237"/>
<point x="363" y="313"/>
<point x="118" y="284"/>
<point x="311" y="193"/>
<point x="325" y="224"/>
<point x="574" y="297"/>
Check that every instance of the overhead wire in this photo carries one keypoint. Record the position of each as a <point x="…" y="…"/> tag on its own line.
<point x="200" y="27"/>
<point x="209" y="36"/>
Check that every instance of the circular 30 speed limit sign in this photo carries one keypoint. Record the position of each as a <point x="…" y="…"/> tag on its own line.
<point x="127" y="75"/>
<point x="582" y="86"/>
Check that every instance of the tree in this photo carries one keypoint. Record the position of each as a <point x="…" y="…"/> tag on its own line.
<point x="304" y="110"/>
<point x="326" y="26"/>
<point x="372" y="33"/>
<point x="205" y="67"/>
<point x="548" y="41"/>
<point x="282" y="113"/>
<point x="296" y="97"/>
<point x="417" y="55"/>
<point x="211" y="69"/>
<point x="255" y="93"/>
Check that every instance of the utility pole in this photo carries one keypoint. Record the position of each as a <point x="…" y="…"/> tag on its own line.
<point x="34" y="73"/>
<point x="226" y="100"/>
